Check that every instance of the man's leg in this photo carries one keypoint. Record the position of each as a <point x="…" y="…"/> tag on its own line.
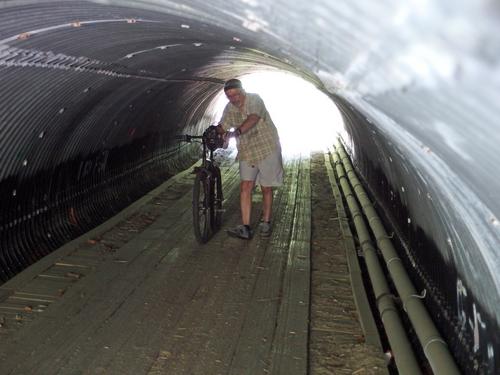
<point x="248" y="173"/>
<point x="267" y="202"/>
<point x="246" y="188"/>
<point x="270" y="175"/>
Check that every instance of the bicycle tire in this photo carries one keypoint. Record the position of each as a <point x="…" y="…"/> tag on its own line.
<point x="216" y="199"/>
<point x="202" y="211"/>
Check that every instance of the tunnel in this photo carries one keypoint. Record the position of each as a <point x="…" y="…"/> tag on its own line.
<point x="94" y="92"/>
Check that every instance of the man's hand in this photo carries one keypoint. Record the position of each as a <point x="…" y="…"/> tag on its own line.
<point x="228" y="135"/>
<point x="220" y="129"/>
<point x="232" y="134"/>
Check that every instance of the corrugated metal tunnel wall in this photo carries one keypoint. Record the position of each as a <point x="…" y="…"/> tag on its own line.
<point x="93" y="91"/>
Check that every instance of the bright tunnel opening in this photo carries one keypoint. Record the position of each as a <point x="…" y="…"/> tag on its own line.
<point x="306" y="118"/>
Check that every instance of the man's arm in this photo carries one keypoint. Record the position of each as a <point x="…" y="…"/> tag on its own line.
<point x="249" y="123"/>
<point x="246" y="125"/>
<point x="256" y="110"/>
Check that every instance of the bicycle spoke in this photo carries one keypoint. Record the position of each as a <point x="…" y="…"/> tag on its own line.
<point x="201" y="208"/>
<point x="216" y="196"/>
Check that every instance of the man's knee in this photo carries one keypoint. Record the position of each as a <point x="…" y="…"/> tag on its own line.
<point x="266" y="189"/>
<point x="246" y="186"/>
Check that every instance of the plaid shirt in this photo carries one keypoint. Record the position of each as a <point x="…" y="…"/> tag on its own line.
<point x="262" y="139"/>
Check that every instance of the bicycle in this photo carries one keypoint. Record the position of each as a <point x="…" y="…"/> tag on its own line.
<point x="207" y="188"/>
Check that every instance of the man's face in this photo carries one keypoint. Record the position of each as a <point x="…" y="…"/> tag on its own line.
<point x="236" y="97"/>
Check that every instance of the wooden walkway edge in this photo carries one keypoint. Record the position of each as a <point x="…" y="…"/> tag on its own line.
<point x="366" y="318"/>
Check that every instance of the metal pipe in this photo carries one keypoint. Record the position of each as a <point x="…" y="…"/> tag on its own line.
<point x="401" y="346"/>
<point x="434" y="346"/>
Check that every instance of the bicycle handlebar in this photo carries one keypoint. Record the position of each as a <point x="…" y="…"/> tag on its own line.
<point x="187" y="137"/>
<point x="211" y="138"/>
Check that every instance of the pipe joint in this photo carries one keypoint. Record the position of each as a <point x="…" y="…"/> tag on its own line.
<point x="410" y="297"/>
<point x="350" y="195"/>
<point x="356" y="185"/>
<point x="379" y="298"/>
<point x="393" y="259"/>
<point x="433" y="340"/>
<point x="374" y="218"/>
<point x="384" y="237"/>
<point x="366" y="242"/>
<point x="356" y="214"/>
<point x="387" y="310"/>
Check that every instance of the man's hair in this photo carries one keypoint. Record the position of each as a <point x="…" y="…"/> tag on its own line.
<point x="233" y="84"/>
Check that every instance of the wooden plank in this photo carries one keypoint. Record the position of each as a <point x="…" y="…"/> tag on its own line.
<point x="193" y="308"/>
<point x="48" y="286"/>
<point x="106" y="296"/>
<point x="177" y="294"/>
<point x="164" y="304"/>
<point x="254" y="349"/>
<point x="290" y="349"/>
<point x="28" y="274"/>
<point x="86" y="298"/>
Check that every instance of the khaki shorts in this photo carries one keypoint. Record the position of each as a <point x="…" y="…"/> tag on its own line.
<point x="267" y="172"/>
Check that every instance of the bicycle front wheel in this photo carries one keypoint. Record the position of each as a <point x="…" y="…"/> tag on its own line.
<point x="201" y="207"/>
<point x="216" y="192"/>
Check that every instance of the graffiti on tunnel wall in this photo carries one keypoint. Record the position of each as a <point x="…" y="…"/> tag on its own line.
<point x="473" y="324"/>
<point x="95" y="165"/>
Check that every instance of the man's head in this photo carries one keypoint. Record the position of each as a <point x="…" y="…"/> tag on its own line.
<point x="232" y="84"/>
<point x="234" y="92"/>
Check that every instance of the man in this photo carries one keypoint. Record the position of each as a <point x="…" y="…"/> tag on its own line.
<point x="259" y="153"/>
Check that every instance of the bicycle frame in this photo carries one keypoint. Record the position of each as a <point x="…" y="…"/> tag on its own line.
<point x="207" y="192"/>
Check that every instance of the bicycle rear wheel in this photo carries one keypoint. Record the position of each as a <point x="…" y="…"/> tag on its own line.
<point x="216" y="193"/>
<point x="202" y="211"/>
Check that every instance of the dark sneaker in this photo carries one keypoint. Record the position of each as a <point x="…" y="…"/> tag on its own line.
<point x="265" y="229"/>
<point x="240" y="231"/>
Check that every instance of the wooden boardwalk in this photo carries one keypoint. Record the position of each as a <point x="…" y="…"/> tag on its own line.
<point x="138" y="295"/>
